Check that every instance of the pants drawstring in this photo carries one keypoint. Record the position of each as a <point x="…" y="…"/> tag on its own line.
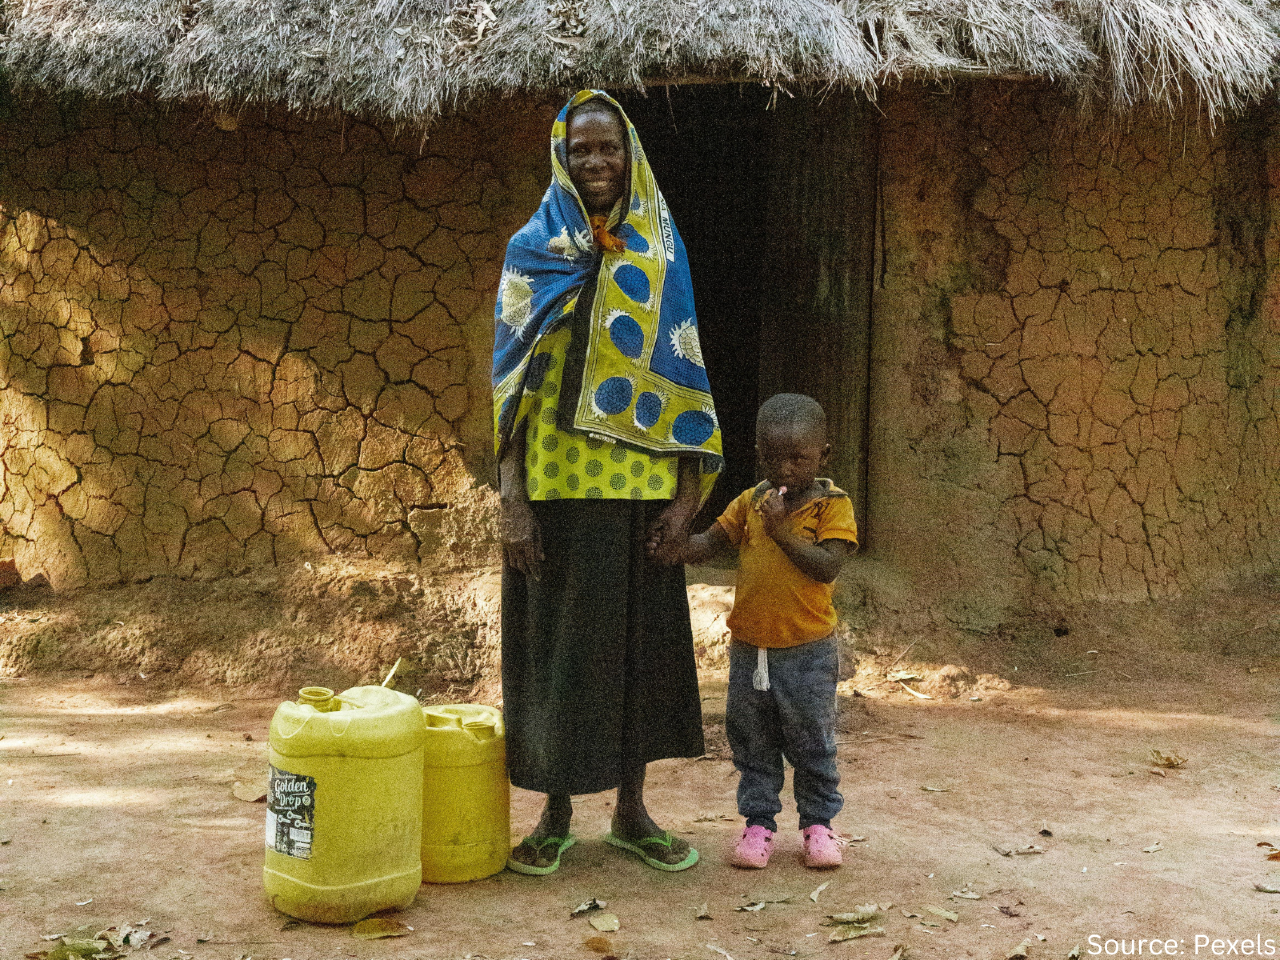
<point x="760" y="678"/>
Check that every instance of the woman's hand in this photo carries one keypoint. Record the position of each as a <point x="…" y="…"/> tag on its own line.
<point x="521" y="539"/>
<point x="672" y="525"/>
<point x="668" y="537"/>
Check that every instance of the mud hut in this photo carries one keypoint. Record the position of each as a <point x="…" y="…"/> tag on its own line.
<point x="1023" y="251"/>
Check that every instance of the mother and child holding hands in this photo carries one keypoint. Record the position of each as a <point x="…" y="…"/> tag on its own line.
<point x="608" y="443"/>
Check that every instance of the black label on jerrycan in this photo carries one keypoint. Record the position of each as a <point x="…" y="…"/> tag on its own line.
<point x="291" y="813"/>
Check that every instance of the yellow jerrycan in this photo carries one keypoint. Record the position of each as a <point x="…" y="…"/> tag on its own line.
<point x="344" y="804"/>
<point x="466" y="799"/>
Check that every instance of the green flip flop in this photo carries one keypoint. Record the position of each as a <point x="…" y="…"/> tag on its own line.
<point x="661" y="840"/>
<point x="559" y="844"/>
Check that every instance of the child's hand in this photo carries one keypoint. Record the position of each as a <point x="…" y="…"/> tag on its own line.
<point x="669" y="555"/>
<point x="773" y="511"/>
<point x="689" y="549"/>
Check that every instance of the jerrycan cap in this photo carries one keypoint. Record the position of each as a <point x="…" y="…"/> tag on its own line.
<point x="322" y="698"/>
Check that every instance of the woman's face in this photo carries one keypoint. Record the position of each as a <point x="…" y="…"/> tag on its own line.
<point x="596" y="147"/>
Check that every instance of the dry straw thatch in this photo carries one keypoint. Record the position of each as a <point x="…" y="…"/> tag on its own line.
<point x="409" y="60"/>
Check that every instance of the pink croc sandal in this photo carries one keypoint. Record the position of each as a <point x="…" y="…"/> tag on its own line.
<point x="821" y="852"/>
<point x="753" y="848"/>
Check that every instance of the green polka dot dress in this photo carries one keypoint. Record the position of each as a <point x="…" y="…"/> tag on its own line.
<point x="569" y="466"/>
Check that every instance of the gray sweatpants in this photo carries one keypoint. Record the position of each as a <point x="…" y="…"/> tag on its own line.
<point x="795" y="718"/>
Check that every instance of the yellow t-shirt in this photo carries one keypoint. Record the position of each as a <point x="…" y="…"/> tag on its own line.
<point x="776" y="605"/>
<point x="560" y="465"/>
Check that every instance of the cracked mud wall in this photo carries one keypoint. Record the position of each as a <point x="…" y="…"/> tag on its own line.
<point x="221" y="349"/>
<point x="1077" y="354"/>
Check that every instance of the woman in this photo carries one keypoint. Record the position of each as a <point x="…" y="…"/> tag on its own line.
<point x="607" y="443"/>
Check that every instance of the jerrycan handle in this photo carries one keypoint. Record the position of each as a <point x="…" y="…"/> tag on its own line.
<point x="438" y="719"/>
<point x="480" y="730"/>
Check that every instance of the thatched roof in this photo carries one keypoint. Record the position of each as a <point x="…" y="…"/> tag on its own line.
<point x="409" y="60"/>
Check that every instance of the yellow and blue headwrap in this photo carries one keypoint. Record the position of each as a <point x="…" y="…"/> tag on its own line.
<point x="643" y="379"/>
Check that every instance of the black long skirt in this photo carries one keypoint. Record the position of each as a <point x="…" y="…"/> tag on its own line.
<point x="598" y="672"/>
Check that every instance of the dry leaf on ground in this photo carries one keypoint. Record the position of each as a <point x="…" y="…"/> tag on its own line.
<point x="375" y="928"/>
<point x="944" y="914"/>
<point x="769" y="896"/>
<point x="900" y="952"/>
<point x="125" y="936"/>
<point x="77" y="948"/>
<point x="814" y="896"/>
<point x="703" y="913"/>
<point x="249" y="792"/>
<point x="864" y="914"/>
<point x="588" y="905"/>
<point x="1019" y="952"/>
<point x="852" y="931"/>
<point x="1154" y="848"/>
<point x="1170" y="761"/>
<point x="605" y="922"/>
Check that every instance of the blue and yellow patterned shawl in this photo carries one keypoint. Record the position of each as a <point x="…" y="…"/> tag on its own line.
<point x="643" y="381"/>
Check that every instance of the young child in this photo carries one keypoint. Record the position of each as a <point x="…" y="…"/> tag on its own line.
<point x="793" y="533"/>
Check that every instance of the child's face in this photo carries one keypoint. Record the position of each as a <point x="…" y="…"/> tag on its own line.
<point x="790" y="454"/>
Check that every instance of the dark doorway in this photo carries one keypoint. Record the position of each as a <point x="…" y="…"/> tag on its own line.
<point x="774" y="198"/>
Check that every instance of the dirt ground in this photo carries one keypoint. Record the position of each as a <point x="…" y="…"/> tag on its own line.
<point x="116" y="807"/>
